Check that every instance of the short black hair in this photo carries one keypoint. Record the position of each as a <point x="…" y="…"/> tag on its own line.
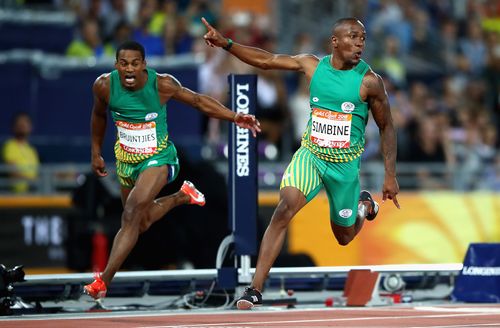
<point x="342" y="21"/>
<point x="131" y="45"/>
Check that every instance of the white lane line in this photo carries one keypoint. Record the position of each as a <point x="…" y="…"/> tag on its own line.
<point x="322" y="320"/>
<point x="459" y="309"/>
<point x="472" y="325"/>
<point x="128" y="314"/>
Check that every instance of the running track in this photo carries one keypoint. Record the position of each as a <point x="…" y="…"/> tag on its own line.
<point x="464" y="315"/>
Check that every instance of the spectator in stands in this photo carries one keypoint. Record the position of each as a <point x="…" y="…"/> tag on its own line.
<point x="272" y="109"/>
<point x="193" y="14"/>
<point x="473" y="47"/>
<point x="491" y="179"/>
<point x="390" y="19"/>
<point x="299" y="102"/>
<point x="449" y="45"/>
<point x="149" y="28"/>
<point x="492" y="75"/>
<point x="167" y="20"/>
<point x="303" y="44"/>
<point x="390" y="62"/>
<point x="20" y="155"/>
<point x="122" y="33"/>
<point x="468" y="164"/>
<point x="430" y="145"/>
<point x="115" y="16"/>
<point x="212" y="77"/>
<point x="182" y="40"/>
<point x="93" y="9"/>
<point x="424" y="39"/>
<point x="88" y="43"/>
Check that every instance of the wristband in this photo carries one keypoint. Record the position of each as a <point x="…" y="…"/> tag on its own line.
<point x="229" y="44"/>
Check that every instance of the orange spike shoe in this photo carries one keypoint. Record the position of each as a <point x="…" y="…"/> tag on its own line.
<point x="96" y="289"/>
<point x="196" y="196"/>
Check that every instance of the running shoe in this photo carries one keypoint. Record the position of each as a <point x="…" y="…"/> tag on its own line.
<point x="365" y="195"/>
<point x="97" y="289"/>
<point x="196" y="196"/>
<point x="251" y="297"/>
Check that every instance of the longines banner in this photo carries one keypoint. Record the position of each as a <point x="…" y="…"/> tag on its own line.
<point x="479" y="280"/>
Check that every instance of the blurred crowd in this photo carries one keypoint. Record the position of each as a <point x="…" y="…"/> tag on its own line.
<point x="164" y="27"/>
<point x="441" y="63"/>
<point x="440" y="60"/>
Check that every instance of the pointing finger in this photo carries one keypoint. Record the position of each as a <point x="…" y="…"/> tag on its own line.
<point x="206" y="23"/>
<point x="395" y="201"/>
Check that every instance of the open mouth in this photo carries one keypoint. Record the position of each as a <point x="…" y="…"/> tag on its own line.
<point x="129" y="79"/>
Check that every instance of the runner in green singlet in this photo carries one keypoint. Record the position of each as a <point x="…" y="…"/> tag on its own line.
<point x="146" y="159"/>
<point x="342" y="89"/>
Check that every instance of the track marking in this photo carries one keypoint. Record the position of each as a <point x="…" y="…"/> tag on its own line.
<point x="459" y="309"/>
<point x="166" y="313"/>
<point x="322" y="320"/>
<point x="472" y="325"/>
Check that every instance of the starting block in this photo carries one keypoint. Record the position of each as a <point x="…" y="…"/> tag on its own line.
<point x="362" y="289"/>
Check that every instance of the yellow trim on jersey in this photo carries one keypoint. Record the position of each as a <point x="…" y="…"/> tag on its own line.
<point x="335" y="156"/>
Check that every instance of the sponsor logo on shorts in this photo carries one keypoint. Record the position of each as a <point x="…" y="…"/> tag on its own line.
<point x="151" y="116"/>
<point x="345" y="213"/>
<point x="347" y="107"/>
<point x="315" y="99"/>
<point x="153" y="162"/>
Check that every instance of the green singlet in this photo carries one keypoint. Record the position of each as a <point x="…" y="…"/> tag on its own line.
<point x="333" y="142"/>
<point x="142" y="134"/>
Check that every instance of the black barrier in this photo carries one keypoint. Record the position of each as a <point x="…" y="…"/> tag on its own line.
<point x="242" y="186"/>
<point x="242" y="155"/>
<point x="34" y="237"/>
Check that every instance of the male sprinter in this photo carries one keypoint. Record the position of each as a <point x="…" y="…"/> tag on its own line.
<point x="342" y="89"/>
<point x="146" y="159"/>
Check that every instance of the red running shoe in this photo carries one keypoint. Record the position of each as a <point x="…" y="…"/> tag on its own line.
<point x="97" y="289"/>
<point x="196" y="196"/>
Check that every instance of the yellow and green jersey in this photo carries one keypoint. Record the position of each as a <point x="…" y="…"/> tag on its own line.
<point x="336" y="128"/>
<point x="140" y="119"/>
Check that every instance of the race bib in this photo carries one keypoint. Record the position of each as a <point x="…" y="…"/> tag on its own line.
<point x="137" y="138"/>
<point x="331" y="129"/>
